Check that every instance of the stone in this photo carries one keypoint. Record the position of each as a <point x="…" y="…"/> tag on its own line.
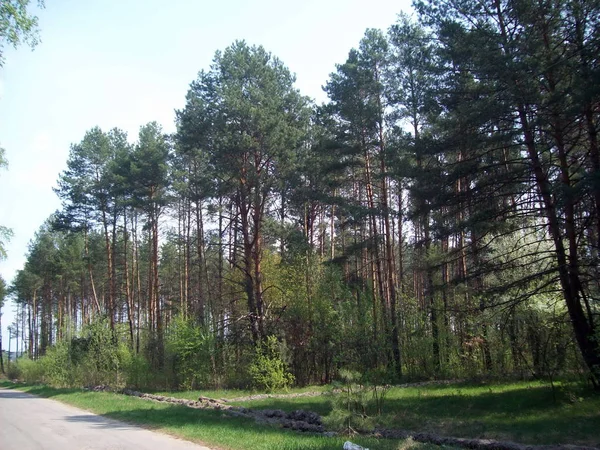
<point x="351" y="446"/>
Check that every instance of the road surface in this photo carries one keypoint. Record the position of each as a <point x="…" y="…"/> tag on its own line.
<point x="31" y="423"/>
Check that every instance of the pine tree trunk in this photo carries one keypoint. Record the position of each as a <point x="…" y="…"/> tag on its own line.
<point x="200" y="314"/>
<point x="128" y="293"/>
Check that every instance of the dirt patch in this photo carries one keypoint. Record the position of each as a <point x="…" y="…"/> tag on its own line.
<point x="300" y="420"/>
<point x="265" y="396"/>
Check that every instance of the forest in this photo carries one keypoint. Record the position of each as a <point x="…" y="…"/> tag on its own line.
<point x="437" y="218"/>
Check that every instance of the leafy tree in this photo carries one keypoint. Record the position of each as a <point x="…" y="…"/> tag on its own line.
<point x="17" y="25"/>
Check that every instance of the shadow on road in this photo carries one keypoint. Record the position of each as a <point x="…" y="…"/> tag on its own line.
<point x="99" y="422"/>
<point x="15" y="394"/>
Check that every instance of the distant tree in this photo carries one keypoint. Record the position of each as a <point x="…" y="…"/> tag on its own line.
<point x="359" y="100"/>
<point x="86" y="189"/>
<point x="150" y="182"/>
<point x="2" y="296"/>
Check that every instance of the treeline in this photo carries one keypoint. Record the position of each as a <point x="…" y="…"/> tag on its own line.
<point x="439" y="216"/>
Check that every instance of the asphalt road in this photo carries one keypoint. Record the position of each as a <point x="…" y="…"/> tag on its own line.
<point x="31" y="423"/>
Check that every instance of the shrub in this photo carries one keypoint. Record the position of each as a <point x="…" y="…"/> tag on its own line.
<point x="99" y="356"/>
<point x="30" y="371"/>
<point x="190" y="350"/>
<point x="138" y="373"/>
<point x="13" y="371"/>
<point x="268" y="371"/>
<point x="55" y="366"/>
<point x="93" y="358"/>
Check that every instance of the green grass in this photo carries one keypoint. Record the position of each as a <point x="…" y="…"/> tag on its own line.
<point x="211" y="428"/>
<point x="526" y="412"/>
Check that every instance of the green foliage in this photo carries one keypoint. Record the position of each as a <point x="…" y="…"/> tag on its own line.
<point x="349" y="407"/>
<point x="56" y="368"/>
<point x="13" y="370"/>
<point x="2" y="291"/>
<point x="93" y="358"/>
<point x="423" y="179"/>
<point x="99" y="357"/>
<point x="139" y="373"/>
<point x="356" y="399"/>
<point x="191" y="350"/>
<point x="268" y="371"/>
<point x="235" y="361"/>
<point x="5" y="235"/>
<point x="17" y="25"/>
<point x="27" y="370"/>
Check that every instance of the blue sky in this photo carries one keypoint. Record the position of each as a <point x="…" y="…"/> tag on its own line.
<point x="123" y="63"/>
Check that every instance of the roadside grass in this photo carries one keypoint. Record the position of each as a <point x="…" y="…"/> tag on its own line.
<point x="212" y="428"/>
<point x="527" y="412"/>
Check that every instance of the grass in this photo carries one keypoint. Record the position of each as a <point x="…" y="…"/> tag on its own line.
<point x="526" y="412"/>
<point x="211" y="428"/>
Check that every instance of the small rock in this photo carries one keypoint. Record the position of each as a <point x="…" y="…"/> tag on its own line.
<point x="351" y="446"/>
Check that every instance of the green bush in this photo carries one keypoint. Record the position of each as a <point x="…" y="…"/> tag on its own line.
<point x="139" y="374"/>
<point x="29" y="371"/>
<point x="95" y="357"/>
<point x="190" y="350"/>
<point x="56" y="366"/>
<point x="268" y="370"/>
<point x="234" y="363"/>
<point x="13" y="372"/>
<point x="99" y="356"/>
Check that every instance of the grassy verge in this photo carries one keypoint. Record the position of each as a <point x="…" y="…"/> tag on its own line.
<point x="526" y="412"/>
<point x="212" y="428"/>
